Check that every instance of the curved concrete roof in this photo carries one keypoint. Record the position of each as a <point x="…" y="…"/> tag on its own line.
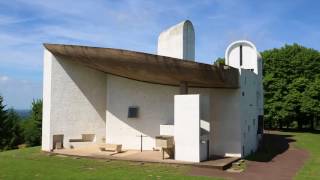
<point x="148" y="67"/>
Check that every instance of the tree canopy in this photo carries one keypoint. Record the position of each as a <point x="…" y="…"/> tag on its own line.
<point x="33" y="125"/>
<point x="3" y="117"/>
<point x="291" y="85"/>
<point x="9" y="128"/>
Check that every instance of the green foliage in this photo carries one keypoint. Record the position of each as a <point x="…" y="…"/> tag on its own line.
<point x="14" y="134"/>
<point x="10" y="134"/>
<point x="220" y="61"/>
<point x="32" y="126"/>
<point x="3" y="131"/>
<point x="291" y="85"/>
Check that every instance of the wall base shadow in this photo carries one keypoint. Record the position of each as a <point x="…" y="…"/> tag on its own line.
<point x="271" y="146"/>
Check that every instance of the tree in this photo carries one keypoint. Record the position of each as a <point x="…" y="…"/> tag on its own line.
<point x="293" y="101"/>
<point x="10" y="135"/>
<point x="32" y="127"/>
<point x="219" y="61"/>
<point x="14" y="130"/>
<point x="311" y="102"/>
<point x="3" y="131"/>
<point x="291" y="85"/>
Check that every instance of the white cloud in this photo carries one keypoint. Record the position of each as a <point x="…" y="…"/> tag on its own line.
<point x="4" y="78"/>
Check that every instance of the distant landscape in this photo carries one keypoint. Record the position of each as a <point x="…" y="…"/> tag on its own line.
<point x="23" y="113"/>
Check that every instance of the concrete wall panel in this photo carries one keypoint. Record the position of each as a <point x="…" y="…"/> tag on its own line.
<point x="78" y="101"/>
<point x="155" y="104"/>
<point x="187" y="127"/>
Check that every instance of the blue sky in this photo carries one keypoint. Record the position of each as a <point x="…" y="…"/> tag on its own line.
<point x="135" y="25"/>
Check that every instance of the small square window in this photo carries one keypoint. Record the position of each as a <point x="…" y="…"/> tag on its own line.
<point x="133" y="112"/>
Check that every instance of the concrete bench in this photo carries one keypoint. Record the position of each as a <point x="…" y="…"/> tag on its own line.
<point x="111" y="147"/>
<point x="84" y="138"/>
<point x="76" y="140"/>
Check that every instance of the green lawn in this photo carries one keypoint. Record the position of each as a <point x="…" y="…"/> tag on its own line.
<point x="311" y="142"/>
<point x="30" y="163"/>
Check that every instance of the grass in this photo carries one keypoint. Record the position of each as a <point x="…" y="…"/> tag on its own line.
<point x="311" y="142"/>
<point x="30" y="163"/>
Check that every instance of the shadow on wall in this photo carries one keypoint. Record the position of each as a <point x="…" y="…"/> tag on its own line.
<point x="85" y="83"/>
<point x="155" y="102"/>
<point x="271" y="146"/>
<point x="150" y="130"/>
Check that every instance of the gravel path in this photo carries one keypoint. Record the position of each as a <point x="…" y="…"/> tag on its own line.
<point x="283" y="165"/>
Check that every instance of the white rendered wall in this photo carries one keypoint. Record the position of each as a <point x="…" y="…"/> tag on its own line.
<point x="251" y="91"/>
<point x="187" y="127"/>
<point x="47" y="66"/>
<point x="225" y="125"/>
<point x="249" y="111"/>
<point x="155" y="104"/>
<point x="167" y="130"/>
<point x="74" y="101"/>
<point x="178" y="41"/>
<point x="251" y="58"/>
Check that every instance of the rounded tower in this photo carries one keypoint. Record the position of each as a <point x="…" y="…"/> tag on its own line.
<point x="178" y="41"/>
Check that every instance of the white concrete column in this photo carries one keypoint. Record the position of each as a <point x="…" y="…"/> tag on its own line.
<point x="46" y="107"/>
<point x="187" y="127"/>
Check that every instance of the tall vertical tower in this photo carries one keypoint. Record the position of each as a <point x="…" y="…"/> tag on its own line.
<point x="178" y="41"/>
<point x="244" y="56"/>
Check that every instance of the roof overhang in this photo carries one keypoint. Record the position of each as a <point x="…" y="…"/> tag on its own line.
<point x="149" y="67"/>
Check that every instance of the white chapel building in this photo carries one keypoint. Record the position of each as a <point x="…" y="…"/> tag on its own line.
<point x="115" y="96"/>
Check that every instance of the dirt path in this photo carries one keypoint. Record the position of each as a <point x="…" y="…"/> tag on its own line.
<point x="283" y="164"/>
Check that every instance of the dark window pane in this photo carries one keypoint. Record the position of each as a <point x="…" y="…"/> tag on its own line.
<point x="133" y="112"/>
<point x="260" y="124"/>
<point x="240" y="55"/>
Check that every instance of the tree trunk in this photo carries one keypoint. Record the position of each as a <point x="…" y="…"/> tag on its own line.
<point x="270" y="125"/>
<point x="280" y="124"/>
<point x="312" y="122"/>
<point x="299" y="124"/>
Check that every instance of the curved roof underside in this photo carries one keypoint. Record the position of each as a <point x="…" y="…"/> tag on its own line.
<point x="148" y="67"/>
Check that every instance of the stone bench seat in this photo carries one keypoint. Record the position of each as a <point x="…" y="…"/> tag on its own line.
<point x="77" y="140"/>
<point x="111" y="147"/>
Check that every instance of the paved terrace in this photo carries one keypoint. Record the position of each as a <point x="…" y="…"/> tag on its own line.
<point x="94" y="152"/>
